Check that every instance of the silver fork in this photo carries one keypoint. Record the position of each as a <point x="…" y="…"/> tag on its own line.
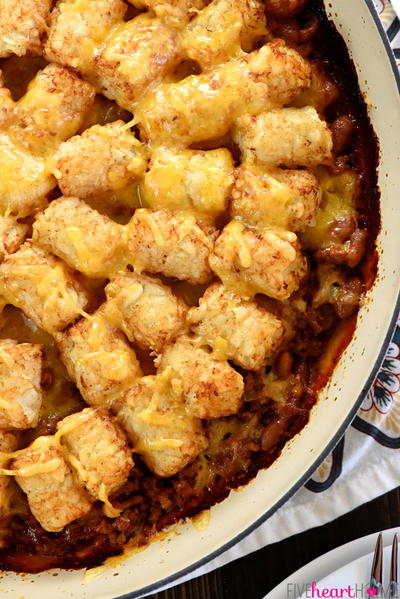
<point x="376" y="572"/>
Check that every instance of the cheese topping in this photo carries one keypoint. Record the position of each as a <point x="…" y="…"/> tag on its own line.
<point x="165" y="384"/>
<point x="235" y="239"/>
<point x="24" y="180"/>
<point x="7" y="359"/>
<point x="34" y="469"/>
<point x="109" y="510"/>
<point x="53" y="285"/>
<point x="87" y="258"/>
<point x="155" y="445"/>
<point x="154" y="228"/>
<point x="66" y="427"/>
<point x="116" y="307"/>
<point x="40" y="467"/>
<point x="114" y="364"/>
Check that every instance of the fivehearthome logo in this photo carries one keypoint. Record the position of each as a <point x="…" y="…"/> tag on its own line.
<point x="313" y="590"/>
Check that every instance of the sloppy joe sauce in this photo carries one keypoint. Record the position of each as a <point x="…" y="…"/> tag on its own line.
<point x="277" y="400"/>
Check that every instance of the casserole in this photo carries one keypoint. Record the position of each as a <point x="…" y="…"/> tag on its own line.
<point x="338" y="402"/>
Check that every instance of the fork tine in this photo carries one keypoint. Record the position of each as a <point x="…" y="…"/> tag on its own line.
<point x="376" y="572"/>
<point x="393" y="569"/>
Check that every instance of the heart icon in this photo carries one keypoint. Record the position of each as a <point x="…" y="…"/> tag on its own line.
<point x="371" y="592"/>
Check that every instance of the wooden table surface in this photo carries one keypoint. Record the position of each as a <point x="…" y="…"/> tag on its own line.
<point x="251" y="577"/>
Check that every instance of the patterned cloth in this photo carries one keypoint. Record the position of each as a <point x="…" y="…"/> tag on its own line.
<point x="364" y="464"/>
<point x="391" y="23"/>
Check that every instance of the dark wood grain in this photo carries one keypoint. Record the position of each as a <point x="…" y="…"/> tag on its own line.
<point x="251" y="577"/>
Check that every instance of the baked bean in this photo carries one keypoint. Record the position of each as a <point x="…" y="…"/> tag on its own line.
<point x="342" y="132"/>
<point x="287" y="30"/>
<point x="309" y="30"/>
<point x="330" y="93"/>
<point x="47" y="379"/>
<point x="47" y="425"/>
<point x="341" y="228"/>
<point x="291" y="31"/>
<point x="348" y="298"/>
<point x="284" y="9"/>
<point x="283" y="364"/>
<point x="356" y="247"/>
<point x="340" y="165"/>
<point x="333" y="254"/>
<point x="321" y="319"/>
<point x="272" y="433"/>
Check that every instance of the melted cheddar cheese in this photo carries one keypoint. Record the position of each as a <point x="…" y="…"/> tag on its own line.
<point x="338" y="201"/>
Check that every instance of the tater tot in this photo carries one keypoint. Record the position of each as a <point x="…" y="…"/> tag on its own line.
<point x="7" y="104"/>
<point x="97" y="449"/>
<point x="239" y="329"/>
<point x="211" y="387"/>
<point x="283" y="198"/>
<point x="222" y="30"/>
<point x="98" y="359"/>
<point x="85" y="239"/>
<point x="12" y="235"/>
<point x="137" y="54"/>
<point x="23" y="24"/>
<point x="202" y="107"/>
<point x="195" y="181"/>
<point x="20" y="392"/>
<point x="55" y="496"/>
<point x="43" y="287"/>
<point x="25" y="180"/>
<point x="250" y="261"/>
<point x="154" y="415"/>
<point x="289" y="137"/>
<point x="175" y="13"/>
<point x="102" y="159"/>
<point x="77" y="29"/>
<point x="174" y="245"/>
<point x="145" y="309"/>
<point x="8" y="443"/>
<point x="52" y="109"/>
